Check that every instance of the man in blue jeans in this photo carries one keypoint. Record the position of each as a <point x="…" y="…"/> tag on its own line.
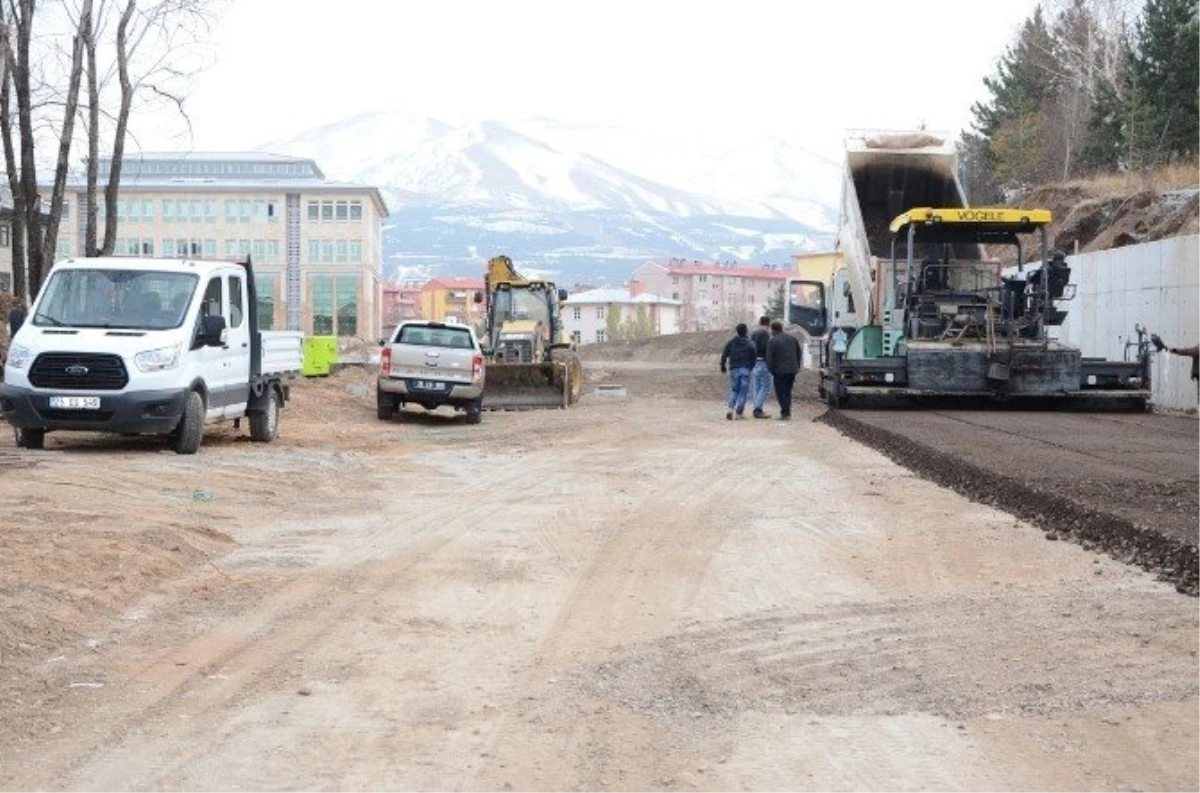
<point x="760" y="376"/>
<point x="738" y="359"/>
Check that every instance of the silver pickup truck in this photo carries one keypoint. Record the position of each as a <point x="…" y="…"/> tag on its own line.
<point x="431" y="364"/>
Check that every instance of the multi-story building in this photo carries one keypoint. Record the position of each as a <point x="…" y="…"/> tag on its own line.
<point x="316" y="244"/>
<point x="6" y="265"/>
<point x="443" y="299"/>
<point x="713" y="296"/>
<point x="400" y="302"/>
<point x="589" y="316"/>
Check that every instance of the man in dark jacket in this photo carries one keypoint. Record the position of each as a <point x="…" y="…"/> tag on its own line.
<point x="738" y="359"/>
<point x="783" y="361"/>
<point x="760" y="378"/>
<point x="1192" y="352"/>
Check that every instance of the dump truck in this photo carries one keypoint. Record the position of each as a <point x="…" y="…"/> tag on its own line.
<point x="921" y="306"/>
<point x="531" y="361"/>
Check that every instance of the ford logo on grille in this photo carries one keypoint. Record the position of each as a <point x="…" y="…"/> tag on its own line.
<point x="77" y="370"/>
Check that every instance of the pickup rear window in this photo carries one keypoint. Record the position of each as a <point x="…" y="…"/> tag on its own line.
<point x="459" y="338"/>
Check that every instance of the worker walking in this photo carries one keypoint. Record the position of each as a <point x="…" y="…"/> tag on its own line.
<point x="1192" y="352"/>
<point x="760" y="376"/>
<point x="738" y="359"/>
<point x="783" y="361"/>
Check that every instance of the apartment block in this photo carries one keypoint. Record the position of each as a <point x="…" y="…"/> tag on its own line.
<point x="452" y="299"/>
<point x="713" y="296"/>
<point x="316" y="244"/>
<point x="588" y="316"/>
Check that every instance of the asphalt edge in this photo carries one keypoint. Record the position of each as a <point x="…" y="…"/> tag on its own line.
<point x="1169" y="558"/>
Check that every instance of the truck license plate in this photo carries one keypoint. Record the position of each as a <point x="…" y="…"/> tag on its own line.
<point x="75" y="402"/>
<point x="429" y="385"/>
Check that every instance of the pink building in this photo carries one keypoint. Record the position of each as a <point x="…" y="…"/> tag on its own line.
<point x="713" y="296"/>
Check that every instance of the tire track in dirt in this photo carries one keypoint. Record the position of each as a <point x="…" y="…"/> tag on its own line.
<point x="902" y="657"/>
<point x="223" y="666"/>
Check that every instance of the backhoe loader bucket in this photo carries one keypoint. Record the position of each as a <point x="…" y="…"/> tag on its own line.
<point x="557" y="383"/>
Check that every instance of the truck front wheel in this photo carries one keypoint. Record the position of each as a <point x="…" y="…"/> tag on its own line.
<point x="264" y="424"/>
<point x="187" y="436"/>
<point x="28" y="438"/>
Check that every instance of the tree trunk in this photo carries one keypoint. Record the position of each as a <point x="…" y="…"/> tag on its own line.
<point x="118" y="155"/>
<point x="31" y="203"/>
<point x="17" y="234"/>
<point x="63" y="166"/>
<point x="93" y="161"/>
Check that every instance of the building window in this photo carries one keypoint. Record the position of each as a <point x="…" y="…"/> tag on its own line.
<point x="314" y="211"/>
<point x="272" y="215"/>
<point x="356" y="210"/>
<point x="244" y="208"/>
<point x="577" y="312"/>
<point x="210" y="211"/>
<point x="314" y="250"/>
<point x="599" y="312"/>
<point x="168" y="208"/>
<point x="600" y="336"/>
<point x="334" y="305"/>
<point x="147" y="247"/>
<point x="342" y="250"/>
<point x="322" y="304"/>
<point x="231" y="211"/>
<point x="4" y="235"/>
<point x="197" y="211"/>
<point x="704" y="279"/>
<point x="674" y="295"/>
<point x="356" y="251"/>
<point x="341" y="212"/>
<point x="347" y="305"/>
<point x="210" y="249"/>
<point x="326" y="211"/>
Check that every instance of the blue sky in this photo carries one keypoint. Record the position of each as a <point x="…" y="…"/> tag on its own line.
<point x="806" y="69"/>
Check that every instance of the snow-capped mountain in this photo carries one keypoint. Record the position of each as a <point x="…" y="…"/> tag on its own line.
<point x="587" y="203"/>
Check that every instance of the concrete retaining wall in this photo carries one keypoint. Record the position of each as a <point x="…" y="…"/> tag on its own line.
<point x="1155" y="284"/>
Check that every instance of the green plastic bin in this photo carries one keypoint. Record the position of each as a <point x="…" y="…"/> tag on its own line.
<point x="320" y="355"/>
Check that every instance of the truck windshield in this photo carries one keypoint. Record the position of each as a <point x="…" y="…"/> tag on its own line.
<point x="101" y="298"/>
<point x="529" y="303"/>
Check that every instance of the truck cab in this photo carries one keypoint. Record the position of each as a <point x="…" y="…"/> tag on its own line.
<point x="145" y="346"/>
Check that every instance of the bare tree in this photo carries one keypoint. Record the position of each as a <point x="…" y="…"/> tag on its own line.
<point x="126" y="50"/>
<point x="148" y="43"/>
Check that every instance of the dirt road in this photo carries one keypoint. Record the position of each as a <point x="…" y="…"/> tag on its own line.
<point x="633" y="594"/>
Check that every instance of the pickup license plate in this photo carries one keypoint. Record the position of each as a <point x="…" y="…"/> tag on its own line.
<point x="75" y="402"/>
<point x="428" y="385"/>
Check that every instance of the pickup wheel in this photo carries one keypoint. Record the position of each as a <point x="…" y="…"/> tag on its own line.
<point x="264" y="424"/>
<point x="475" y="412"/>
<point x="385" y="405"/>
<point x="187" y="436"/>
<point x="29" y="438"/>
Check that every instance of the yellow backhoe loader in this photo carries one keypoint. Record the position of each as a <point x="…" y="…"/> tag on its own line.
<point x="531" y="363"/>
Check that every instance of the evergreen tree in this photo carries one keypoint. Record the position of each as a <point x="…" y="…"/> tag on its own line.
<point x="775" y="305"/>
<point x="1164" y="117"/>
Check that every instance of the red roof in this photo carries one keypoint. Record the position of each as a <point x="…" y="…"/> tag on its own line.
<point x="703" y="268"/>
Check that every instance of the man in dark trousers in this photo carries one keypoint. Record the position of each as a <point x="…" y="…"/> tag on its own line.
<point x="1192" y="352"/>
<point x="783" y="361"/>
<point x="739" y="355"/>
<point x="760" y="378"/>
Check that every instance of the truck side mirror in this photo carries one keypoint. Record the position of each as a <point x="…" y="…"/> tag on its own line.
<point x="212" y="331"/>
<point x="16" y="318"/>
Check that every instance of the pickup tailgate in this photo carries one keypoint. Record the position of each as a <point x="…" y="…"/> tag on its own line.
<point x="422" y="362"/>
<point x="282" y="351"/>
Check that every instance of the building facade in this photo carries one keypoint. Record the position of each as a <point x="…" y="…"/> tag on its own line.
<point x="591" y="317"/>
<point x="398" y="303"/>
<point x="316" y="244"/>
<point x="713" y="296"/>
<point x="451" y="299"/>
